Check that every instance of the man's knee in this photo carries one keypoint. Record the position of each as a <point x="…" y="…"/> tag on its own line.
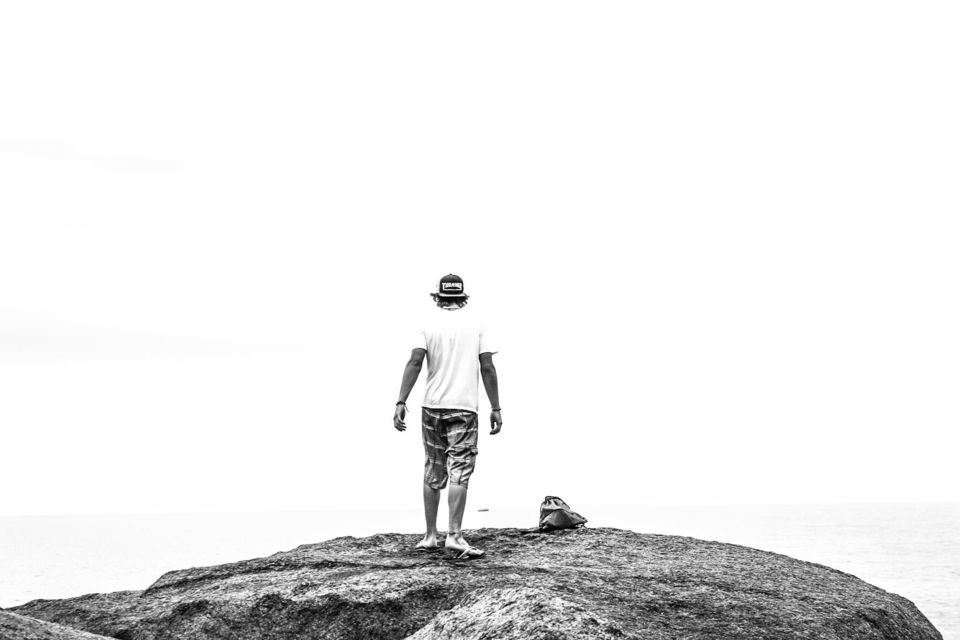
<point x="434" y="482"/>
<point x="460" y="468"/>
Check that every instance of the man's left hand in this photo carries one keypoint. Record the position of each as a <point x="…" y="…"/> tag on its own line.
<point x="398" y="416"/>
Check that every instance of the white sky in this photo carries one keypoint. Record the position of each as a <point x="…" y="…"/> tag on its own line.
<point x="719" y="242"/>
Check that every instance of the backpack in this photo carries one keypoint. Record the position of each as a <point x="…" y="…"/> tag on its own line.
<point x="556" y="514"/>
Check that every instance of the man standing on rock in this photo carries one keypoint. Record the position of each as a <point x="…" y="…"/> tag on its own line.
<point x="458" y="354"/>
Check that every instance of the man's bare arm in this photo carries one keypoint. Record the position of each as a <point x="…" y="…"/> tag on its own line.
<point x="488" y="373"/>
<point x="410" y="374"/>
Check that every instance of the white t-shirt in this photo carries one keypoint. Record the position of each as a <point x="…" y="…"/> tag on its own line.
<point x="454" y="340"/>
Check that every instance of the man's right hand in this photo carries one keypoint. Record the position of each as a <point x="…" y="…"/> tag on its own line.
<point x="496" y="421"/>
<point x="398" y="415"/>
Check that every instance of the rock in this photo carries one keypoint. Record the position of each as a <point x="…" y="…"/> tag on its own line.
<point x="584" y="583"/>
<point x="14" y="627"/>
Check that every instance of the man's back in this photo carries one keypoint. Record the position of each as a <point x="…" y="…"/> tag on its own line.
<point x="453" y="340"/>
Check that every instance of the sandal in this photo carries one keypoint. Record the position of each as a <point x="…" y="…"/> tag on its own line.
<point x="469" y="553"/>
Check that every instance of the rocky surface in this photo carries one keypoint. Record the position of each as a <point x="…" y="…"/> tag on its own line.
<point x="585" y="583"/>
<point x="17" y="627"/>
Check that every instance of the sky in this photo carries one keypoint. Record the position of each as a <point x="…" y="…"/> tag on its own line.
<point x="718" y="242"/>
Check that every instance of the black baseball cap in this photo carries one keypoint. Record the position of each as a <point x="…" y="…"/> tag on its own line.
<point x="451" y="286"/>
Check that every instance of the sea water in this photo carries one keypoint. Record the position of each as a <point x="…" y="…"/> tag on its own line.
<point x="909" y="549"/>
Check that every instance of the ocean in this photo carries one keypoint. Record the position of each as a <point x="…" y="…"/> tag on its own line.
<point x="909" y="549"/>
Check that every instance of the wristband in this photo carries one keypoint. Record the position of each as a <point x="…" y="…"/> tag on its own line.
<point x="494" y="409"/>
<point x="399" y="402"/>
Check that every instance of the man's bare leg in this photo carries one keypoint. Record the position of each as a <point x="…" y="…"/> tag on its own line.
<point x="457" y="502"/>
<point x="431" y="503"/>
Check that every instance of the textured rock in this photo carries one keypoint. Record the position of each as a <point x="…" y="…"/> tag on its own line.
<point x="14" y="627"/>
<point x="586" y="583"/>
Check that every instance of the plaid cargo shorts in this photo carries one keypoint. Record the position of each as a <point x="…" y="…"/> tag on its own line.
<point x="450" y="445"/>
